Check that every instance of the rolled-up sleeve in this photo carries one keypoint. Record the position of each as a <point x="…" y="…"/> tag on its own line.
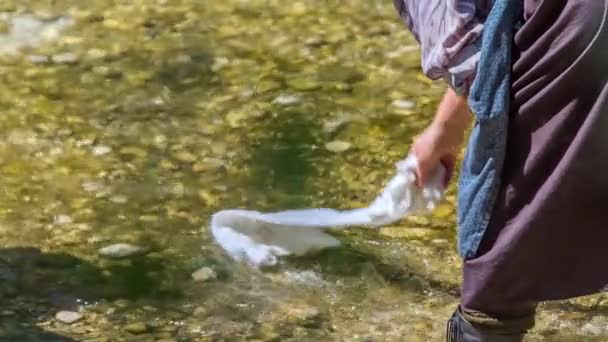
<point x="449" y="33"/>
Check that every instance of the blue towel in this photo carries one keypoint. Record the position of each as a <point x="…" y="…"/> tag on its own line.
<point x="489" y="100"/>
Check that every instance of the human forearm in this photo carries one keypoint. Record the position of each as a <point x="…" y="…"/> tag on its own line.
<point x="453" y="113"/>
<point x="441" y="141"/>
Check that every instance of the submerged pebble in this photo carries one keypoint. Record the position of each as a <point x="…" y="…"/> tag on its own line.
<point x="204" y="274"/>
<point x="101" y="150"/>
<point x="137" y="328"/>
<point x="403" y="104"/>
<point x="65" y="58"/>
<point x="63" y="219"/>
<point x="121" y="250"/>
<point x="68" y="317"/>
<point x="286" y="99"/>
<point x="338" y="146"/>
<point x="208" y="164"/>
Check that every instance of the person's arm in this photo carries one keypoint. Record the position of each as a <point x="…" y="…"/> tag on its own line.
<point x="449" y="34"/>
<point x="441" y="141"/>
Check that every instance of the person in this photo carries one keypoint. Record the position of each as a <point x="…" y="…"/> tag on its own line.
<point x="531" y="78"/>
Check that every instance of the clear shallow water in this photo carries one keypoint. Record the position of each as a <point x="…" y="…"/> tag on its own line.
<point x="145" y="117"/>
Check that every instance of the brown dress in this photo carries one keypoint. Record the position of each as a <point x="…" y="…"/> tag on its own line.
<point x="548" y="234"/>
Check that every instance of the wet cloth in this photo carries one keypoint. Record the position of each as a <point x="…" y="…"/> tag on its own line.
<point x="260" y="238"/>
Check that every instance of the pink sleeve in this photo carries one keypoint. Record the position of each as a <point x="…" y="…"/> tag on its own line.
<point x="449" y="33"/>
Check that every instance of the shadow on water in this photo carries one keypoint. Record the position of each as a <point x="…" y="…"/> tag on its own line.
<point x="352" y="261"/>
<point x="281" y="160"/>
<point x="35" y="285"/>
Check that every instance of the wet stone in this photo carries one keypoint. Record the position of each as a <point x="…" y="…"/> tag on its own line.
<point x="403" y="104"/>
<point x="101" y="150"/>
<point x="137" y="328"/>
<point x="168" y="165"/>
<point x="209" y="164"/>
<point x="303" y="84"/>
<point x="286" y="99"/>
<point x="68" y="317"/>
<point x="119" y="199"/>
<point x="65" y="58"/>
<point x="204" y="274"/>
<point x="185" y="156"/>
<point x="134" y="151"/>
<point x="338" y="146"/>
<point x="121" y="250"/>
<point x="63" y="219"/>
<point x="38" y="59"/>
<point x="7" y="313"/>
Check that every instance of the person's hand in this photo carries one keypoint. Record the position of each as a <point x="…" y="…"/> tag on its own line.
<point x="440" y="142"/>
<point x="436" y="145"/>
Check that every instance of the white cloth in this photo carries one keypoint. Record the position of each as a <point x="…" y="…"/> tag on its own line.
<point x="260" y="238"/>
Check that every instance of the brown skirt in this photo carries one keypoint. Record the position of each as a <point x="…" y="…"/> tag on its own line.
<point x="548" y="235"/>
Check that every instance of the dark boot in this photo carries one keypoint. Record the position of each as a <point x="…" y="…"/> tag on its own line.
<point x="460" y="330"/>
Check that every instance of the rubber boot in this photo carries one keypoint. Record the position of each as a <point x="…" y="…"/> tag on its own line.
<point x="460" y="330"/>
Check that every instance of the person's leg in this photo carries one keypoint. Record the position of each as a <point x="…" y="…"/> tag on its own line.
<point x="507" y="326"/>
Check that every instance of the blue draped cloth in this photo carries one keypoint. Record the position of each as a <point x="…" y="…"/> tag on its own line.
<point x="489" y="99"/>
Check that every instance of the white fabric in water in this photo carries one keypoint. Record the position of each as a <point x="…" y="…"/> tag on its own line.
<point x="260" y="238"/>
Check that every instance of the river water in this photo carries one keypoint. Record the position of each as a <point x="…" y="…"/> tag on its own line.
<point x="133" y="121"/>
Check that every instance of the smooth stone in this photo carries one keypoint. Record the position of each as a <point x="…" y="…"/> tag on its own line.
<point x="65" y="58"/>
<point x="286" y="99"/>
<point x="204" y="274"/>
<point x="334" y="125"/>
<point x="149" y="218"/>
<point x="101" y="150"/>
<point x="37" y="59"/>
<point x="135" y="151"/>
<point x="209" y="164"/>
<point x="63" y="219"/>
<point x="119" y="199"/>
<point x="440" y="241"/>
<point x="27" y="30"/>
<point x="338" y="146"/>
<point x="137" y="328"/>
<point x="185" y="156"/>
<point x="235" y="119"/>
<point x="92" y="186"/>
<point x="303" y="84"/>
<point x="419" y="220"/>
<point x="96" y="54"/>
<point x="68" y="317"/>
<point x="403" y="104"/>
<point x="168" y="165"/>
<point x="7" y="313"/>
<point x="401" y="51"/>
<point x="121" y="250"/>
